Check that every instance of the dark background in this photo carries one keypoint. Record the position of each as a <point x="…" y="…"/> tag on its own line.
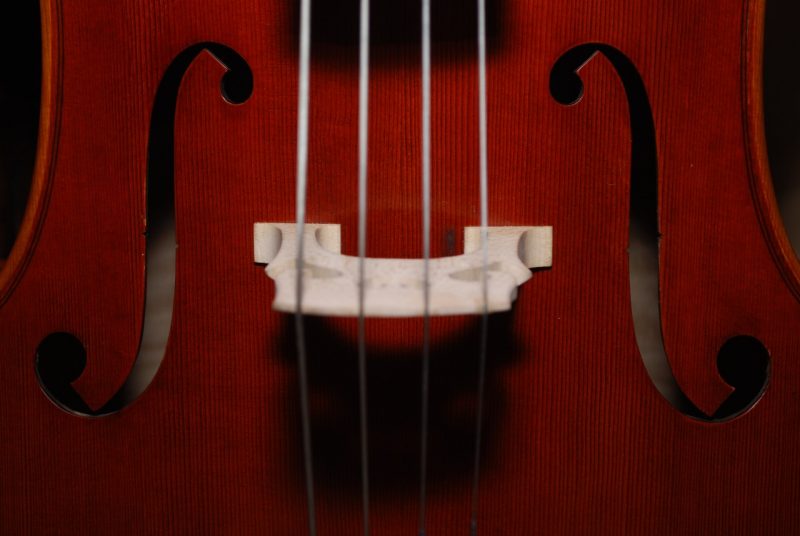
<point x="20" y="79"/>
<point x="782" y="109"/>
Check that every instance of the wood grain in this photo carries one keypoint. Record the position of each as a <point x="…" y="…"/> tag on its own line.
<point x="578" y="438"/>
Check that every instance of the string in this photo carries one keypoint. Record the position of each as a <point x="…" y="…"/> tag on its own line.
<point x="302" y="179"/>
<point x="426" y="253"/>
<point x="363" y="145"/>
<point x="484" y="191"/>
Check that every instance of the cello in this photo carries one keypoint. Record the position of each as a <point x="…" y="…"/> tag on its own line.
<point x="526" y="269"/>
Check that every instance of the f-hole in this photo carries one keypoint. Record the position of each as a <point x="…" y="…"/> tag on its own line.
<point x="61" y="357"/>
<point x="743" y="362"/>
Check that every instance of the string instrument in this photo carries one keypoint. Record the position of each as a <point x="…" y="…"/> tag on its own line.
<point x="528" y="273"/>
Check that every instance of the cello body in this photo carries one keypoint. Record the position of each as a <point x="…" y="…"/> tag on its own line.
<point x="588" y="101"/>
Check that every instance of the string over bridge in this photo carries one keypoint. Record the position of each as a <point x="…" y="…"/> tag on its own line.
<point x="393" y="287"/>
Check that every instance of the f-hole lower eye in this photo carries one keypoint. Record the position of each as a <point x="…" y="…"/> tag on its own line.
<point x="60" y="360"/>
<point x="744" y="364"/>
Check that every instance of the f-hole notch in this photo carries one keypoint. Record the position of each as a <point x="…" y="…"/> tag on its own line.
<point x="743" y="362"/>
<point x="61" y="357"/>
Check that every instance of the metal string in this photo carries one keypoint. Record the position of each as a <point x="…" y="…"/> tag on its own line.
<point x="426" y="253"/>
<point x="302" y="180"/>
<point x="484" y="191"/>
<point x="363" y="146"/>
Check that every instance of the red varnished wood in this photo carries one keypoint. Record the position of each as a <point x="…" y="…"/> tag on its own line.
<point x="578" y="438"/>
